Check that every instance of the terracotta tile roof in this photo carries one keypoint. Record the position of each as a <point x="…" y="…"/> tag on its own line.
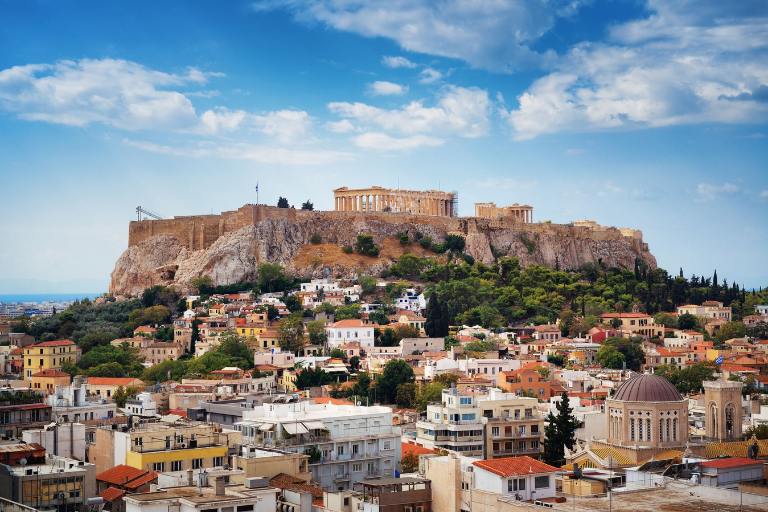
<point x="120" y="474"/>
<point x="148" y="477"/>
<point x="351" y="322"/>
<point x="735" y="448"/>
<point x="113" y="381"/>
<point x="731" y="462"/>
<point x="286" y="481"/>
<point x="414" y="449"/>
<point x="625" y="315"/>
<point x="50" y="372"/>
<point x="112" y="494"/>
<point x="54" y="343"/>
<point x="511" y="466"/>
<point x="329" y="400"/>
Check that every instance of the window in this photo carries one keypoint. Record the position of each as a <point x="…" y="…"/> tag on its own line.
<point x="541" y="482"/>
<point x="515" y="484"/>
<point x="218" y="461"/>
<point x="371" y="467"/>
<point x="197" y="463"/>
<point x="387" y="445"/>
<point x="158" y="466"/>
<point x="357" y="467"/>
<point x="245" y="508"/>
<point x="176" y="465"/>
<point x="355" y="449"/>
<point x="495" y="431"/>
<point x="468" y="417"/>
<point x="340" y="450"/>
<point x="465" y="400"/>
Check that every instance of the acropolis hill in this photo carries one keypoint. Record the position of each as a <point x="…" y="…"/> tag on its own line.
<point x="229" y="247"/>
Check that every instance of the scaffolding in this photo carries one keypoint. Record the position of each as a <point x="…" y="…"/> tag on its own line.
<point x="455" y="203"/>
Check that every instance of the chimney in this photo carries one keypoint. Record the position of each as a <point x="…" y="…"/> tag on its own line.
<point x="190" y="478"/>
<point x="218" y="485"/>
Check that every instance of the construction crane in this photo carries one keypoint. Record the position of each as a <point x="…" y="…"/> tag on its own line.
<point x="146" y="213"/>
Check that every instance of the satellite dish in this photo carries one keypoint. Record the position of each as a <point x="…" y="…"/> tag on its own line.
<point x="23" y="461"/>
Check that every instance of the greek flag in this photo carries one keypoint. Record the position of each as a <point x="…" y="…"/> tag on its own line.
<point x="719" y="360"/>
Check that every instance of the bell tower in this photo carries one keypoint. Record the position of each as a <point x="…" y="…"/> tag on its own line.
<point x="722" y="402"/>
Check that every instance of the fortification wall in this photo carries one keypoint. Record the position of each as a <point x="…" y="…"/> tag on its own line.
<point x="197" y="232"/>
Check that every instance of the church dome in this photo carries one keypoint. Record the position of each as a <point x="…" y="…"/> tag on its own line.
<point x="647" y="388"/>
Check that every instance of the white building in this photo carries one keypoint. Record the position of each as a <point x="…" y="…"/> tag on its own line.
<point x="761" y="309"/>
<point x="143" y="405"/>
<point x="71" y="403"/>
<point x="350" y="330"/>
<point x="346" y="443"/>
<point x="522" y="478"/>
<point x="63" y="440"/>
<point x="410" y="345"/>
<point x="454" y="424"/>
<point x="412" y="301"/>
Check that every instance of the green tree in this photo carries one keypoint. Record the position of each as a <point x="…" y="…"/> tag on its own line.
<point x="112" y="369"/>
<point x="316" y="332"/>
<point x="429" y="393"/>
<point x="689" y="379"/>
<point x="364" y="245"/>
<point x="307" y="205"/>
<point x="272" y="278"/>
<point x="631" y="349"/>
<point x="454" y="243"/>
<point x="395" y="372"/>
<point x="347" y="311"/>
<point x="560" y="432"/>
<point x="367" y="283"/>
<point x="731" y="330"/>
<point x="201" y="283"/>
<point x="687" y="321"/>
<point x="282" y="202"/>
<point x="436" y="324"/>
<point x="405" y="396"/>
<point x="609" y="356"/>
<point x="758" y="431"/>
<point x="291" y="333"/>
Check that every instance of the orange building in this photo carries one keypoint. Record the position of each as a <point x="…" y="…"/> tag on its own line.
<point x="525" y="381"/>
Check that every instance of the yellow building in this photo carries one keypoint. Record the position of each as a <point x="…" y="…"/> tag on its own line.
<point x="176" y="447"/>
<point x="47" y="380"/>
<point x="105" y="387"/>
<point x="49" y="355"/>
<point x="635" y="324"/>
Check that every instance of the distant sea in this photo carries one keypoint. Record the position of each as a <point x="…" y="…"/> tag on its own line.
<point x="44" y="297"/>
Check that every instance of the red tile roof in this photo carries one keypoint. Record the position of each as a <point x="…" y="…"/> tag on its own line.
<point x="120" y="474"/>
<point x="512" y="466"/>
<point x="146" y="478"/>
<point x="50" y="372"/>
<point x="415" y="449"/>
<point x="351" y="322"/>
<point x="54" y="343"/>
<point x="329" y="400"/>
<point x="731" y="462"/>
<point x="112" y="494"/>
<point x="113" y="381"/>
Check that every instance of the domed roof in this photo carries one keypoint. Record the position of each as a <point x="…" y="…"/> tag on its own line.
<point x="647" y="388"/>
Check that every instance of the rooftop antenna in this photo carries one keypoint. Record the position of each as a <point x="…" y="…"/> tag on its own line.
<point x="257" y="192"/>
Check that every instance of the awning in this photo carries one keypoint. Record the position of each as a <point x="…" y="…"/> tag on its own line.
<point x="315" y="425"/>
<point x="267" y="426"/>
<point x="295" y="428"/>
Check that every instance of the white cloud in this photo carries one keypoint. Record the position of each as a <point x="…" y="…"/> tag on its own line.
<point x="494" y="34"/>
<point x="383" y="142"/>
<point x="284" y="125"/>
<point x="384" y="88"/>
<point x="395" y="62"/>
<point x="680" y="65"/>
<point x="128" y="96"/>
<point x="710" y="192"/>
<point x="117" y="93"/>
<point x="575" y="151"/>
<point x="343" y="126"/>
<point x="243" y="151"/>
<point x="430" y="76"/>
<point x="459" y="111"/>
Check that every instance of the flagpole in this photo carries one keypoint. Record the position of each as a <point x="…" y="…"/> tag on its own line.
<point x="257" y="192"/>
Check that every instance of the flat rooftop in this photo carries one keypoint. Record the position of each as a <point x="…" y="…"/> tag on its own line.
<point x="678" y="497"/>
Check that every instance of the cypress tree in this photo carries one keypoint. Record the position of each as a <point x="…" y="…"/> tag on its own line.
<point x="434" y="321"/>
<point x="560" y="432"/>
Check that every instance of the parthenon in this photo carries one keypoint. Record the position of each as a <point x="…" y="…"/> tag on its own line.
<point x="516" y="212"/>
<point x="379" y="199"/>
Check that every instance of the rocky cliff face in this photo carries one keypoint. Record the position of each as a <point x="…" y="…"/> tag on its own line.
<point x="235" y="255"/>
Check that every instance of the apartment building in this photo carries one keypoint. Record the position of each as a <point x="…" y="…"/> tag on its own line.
<point x="454" y="424"/>
<point x="160" y="446"/>
<point x="346" y="443"/>
<point x="72" y="404"/>
<point x="634" y="324"/>
<point x="708" y="310"/>
<point x="30" y="476"/>
<point x="49" y="355"/>
<point x="513" y="425"/>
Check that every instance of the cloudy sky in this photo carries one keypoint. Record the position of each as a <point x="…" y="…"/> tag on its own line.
<point x="644" y="114"/>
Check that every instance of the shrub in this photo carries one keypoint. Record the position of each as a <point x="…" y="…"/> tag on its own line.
<point x="425" y="242"/>
<point x="365" y="245"/>
<point x="404" y="239"/>
<point x="347" y="249"/>
<point x="316" y="239"/>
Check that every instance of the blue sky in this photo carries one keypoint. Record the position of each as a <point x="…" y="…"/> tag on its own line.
<point x="643" y="114"/>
